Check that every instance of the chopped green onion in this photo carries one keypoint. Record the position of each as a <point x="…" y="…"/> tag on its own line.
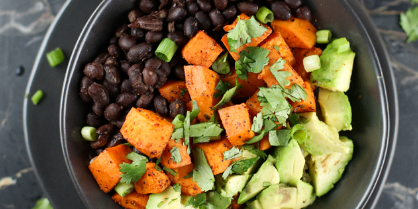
<point x="55" y="57"/>
<point x="166" y="50"/>
<point x="311" y="63"/>
<point x="124" y="189"/>
<point x="172" y="172"/>
<point x="264" y="15"/>
<point x="36" y="98"/>
<point x="89" y="133"/>
<point x="323" y="36"/>
<point x="221" y="65"/>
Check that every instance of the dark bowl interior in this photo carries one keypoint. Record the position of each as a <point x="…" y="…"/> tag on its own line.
<point x="367" y="95"/>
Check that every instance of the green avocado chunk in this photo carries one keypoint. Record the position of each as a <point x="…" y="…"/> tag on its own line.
<point x="305" y="194"/>
<point x="167" y="199"/>
<point x="322" y="139"/>
<point x="276" y="196"/>
<point x="326" y="170"/>
<point x="232" y="185"/>
<point x="336" y="66"/>
<point x="266" y="173"/>
<point x="335" y="108"/>
<point x="255" y="204"/>
<point x="289" y="162"/>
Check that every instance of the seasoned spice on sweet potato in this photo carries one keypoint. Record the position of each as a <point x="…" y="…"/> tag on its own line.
<point x="153" y="181"/>
<point x="201" y="50"/>
<point x="188" y="186"/>
<point x="132" y="201"/>
<point x="297" y="32"/>
<point x="201" y="83"/>
<point x="234" y="204"/>
<point x="166" y="157"/>
<point x="237" y="123"/>
<point x="307" y="105"/>
<point x="253" y="105"/>
<point x="105" y="167"/>
<point x="276" y="40"/>
<point x="172" y="90"/>
<point x="147" y="131"/>
<point x="249" y="86"/>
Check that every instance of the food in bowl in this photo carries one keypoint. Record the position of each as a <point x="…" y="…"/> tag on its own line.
<point x="219" y="111"/>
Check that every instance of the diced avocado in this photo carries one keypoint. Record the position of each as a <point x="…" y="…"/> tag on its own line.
<point x="326" y="170"/>
<point x="322" y="139"/>
<point x="276" y="196"/>
<point x="232" y="185"/>
<point x="305" y="194"/>
<point x="124" y="189"/>
<point x="335" y="108"/>
<point x="290" y="162"/>
<point x="255" y="204"/>
<point x="248" y="155"/>
<point x="266" y="173"/>
<point x="167" y="199"/>
<point x="336" y="66"/>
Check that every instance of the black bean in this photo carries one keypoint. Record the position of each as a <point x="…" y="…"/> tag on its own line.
<point x="153" y="62"/>
<point x="179" y="72"/>
<point x="99" y="94"/>
<point x="119" y="122"/>
<point x="293" y="3"/>
<point x="135" y="79"/>
<point x="161" y="105"/>
<point x="162" y="78"/>
<point x="230" y="12"/>
<point x="123" y="29"/>
<point x="303" y="12"/>
<point x="220" y="4"/>
<point x="126" y="100"/>
<point x="179" y="26"/>
<point x="112" y="75"/>
<point x="281" y="10"/>
<point x="112" y="111"/>
<point x="97" y="109"/>
<point x="204" y="5"/>
<point x="139" y="52"/>
<point x="153" y="37"/>
<point x="176" y="13"/>
<point x="105" y="132"/>
<point x="178" y="37"/>
<point x="145" y="100"/>
<point x="84" y="85"/>
<point x="149" y="76"/>
<point x="164" y="4"/>
<point x="178" y="106"/>
<point x="125" y="87"/>
<point x="134" y="14"/>
<point x="138" y="33"/>
<point x="147" y="6"/>
<point x="165" y="68"/>
<point x="111" y="61"/>
<point x="162" y="14"/>
<point x="124" y="66"/>
<point x="94" y="70"/>
<point x="148" y="22"/>
<point x="102" y="58"/>
<point x="113" y="40"/>
<point x="247" y="8"/>
<point x="179" y="2"/>
<point x="113" y="90"/>
<point x="171" y="27"/>
<point x="191" y="26"/>
<point x="204" y="20"/>
<point x="114" y="50"/>
<point x="126" y="42"/>
<point x="217" y="19"/>
<point x="176" y="59"/>
<point x="136" y="67"/>
<point x="94" y="120"/>
<point x="116" y="140"/>
<point x="192" y="8"/>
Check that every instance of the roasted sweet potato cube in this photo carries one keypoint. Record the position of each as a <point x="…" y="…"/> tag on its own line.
<point x="231" y="26"/>
<point x="105" y="167"/>
<point x="172" y="90"/>
<point x="188" y="186"/>
<point x="253" y="105"/>
<point x="307" y="105"/>
<point x="153" y="181"/>
<point x="201" y="83"/>
<point x="132" y="201"/>
<point x="297" y="32"/>
<point x="301" y="53"/>
<point x="264" y="143"/>
<point x="147" y="131"/>
<point x="182" y="171"/>
<point x="166" y="158"/>
<point x="214" y="153"/>
<point x="249" y="86"/>
<point x="275" y="39"/>
<point x="201" y="50"/>
<point x="234" y="203"/>
<point x="237" y="123"/>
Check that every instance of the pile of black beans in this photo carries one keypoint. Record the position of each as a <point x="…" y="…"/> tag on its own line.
<point x="129" y="75"/>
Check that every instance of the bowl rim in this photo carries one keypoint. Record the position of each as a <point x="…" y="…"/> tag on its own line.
<point x="389" y="107"/>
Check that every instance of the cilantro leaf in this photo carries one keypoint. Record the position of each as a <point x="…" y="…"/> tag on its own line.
<point x="222" y="87"/>
<point x="195" y="110"/>
<point x="268" y="125"/>
<point x="243" y="165"/>
<point x="177" y="134"/>
<point x="252" y="149"/>
<point x="175" y="155"/>
<point x="255" y="29"/>
<point x="170" y="171"/>
<point x="257" y="125"/>
<point x="197" y="201"/>
<point x="177" y="187"/>
<point x="202" y="173"/>
<point x="178" y="121"/>
<point x="227" y="97"/>
<point x="240" y="71"/>
<point x="132" y="172"/>
<point x="253" y="59"/>
<point x="280" y="76"/>
<point x="205" y="129"/>
<point x="294" y="119"/>
<point x="221" y="64"/>
<point x="228" y="171"/>
<point x="279" y="137"/>
<point x="243" y="32"/>
<point x="43" y="203"/>
<point x="202" y="139"/>
<point x="409" y="23"/>
<point x="277" y="48"/>
<point x="296" y="93"/>
<point x="186" y="125"/>
<point x="189" y="175"/>
<point x="232" y="153"/>
<point x="183" y="91"/>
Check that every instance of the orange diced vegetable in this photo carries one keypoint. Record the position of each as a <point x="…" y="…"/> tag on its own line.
<point x="249" y="86"/>
<point x="147" y="131"/>
<point x="153" y="181"/>
<point x="201" y="83"/>
<point x="166" y="157"/>
<point x="201" y="50"/>
<point x="182" y="171"/>
<point x="237" y="123"/>
<point x="234" y="204"/>
<point x="265" y="143"/>
<point x="171" y="90"/>
<point x="242" y="16"/>
<point x="297" y="32"/>
<point x="275" y="39"/>
<point x="299" y="54"/>
<point x="105" y="167"/>
<point x="188" y="186"/>
<point x="132" y="201"/>
<point x="214" y="153"/>
<point x="307" y="105"/>
<point x="253" y="105"/>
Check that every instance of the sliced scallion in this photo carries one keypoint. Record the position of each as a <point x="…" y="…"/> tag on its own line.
<point x="37" y="97"/>
<point x="264" y="15"/>
<point x="55" y="57"/>
<point x="166" y="50"/>
<point x="323" y="36"/>
<point x="311" y="63"/>
<point x="89" y="133"/>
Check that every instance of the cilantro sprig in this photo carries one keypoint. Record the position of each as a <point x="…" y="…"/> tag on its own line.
<point x="252" y="59"/>
<point x="232" y="153"/>
<point x="243" y="32"/>
<point x="202" y="173"/>
<point x="175" y="154"/>
<point x="409" y="23"/>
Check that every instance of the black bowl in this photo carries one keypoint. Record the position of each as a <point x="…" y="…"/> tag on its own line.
<point x="372" y="95"/>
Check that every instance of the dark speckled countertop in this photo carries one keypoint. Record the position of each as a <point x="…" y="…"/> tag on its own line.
<point x="23" y="24"/>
